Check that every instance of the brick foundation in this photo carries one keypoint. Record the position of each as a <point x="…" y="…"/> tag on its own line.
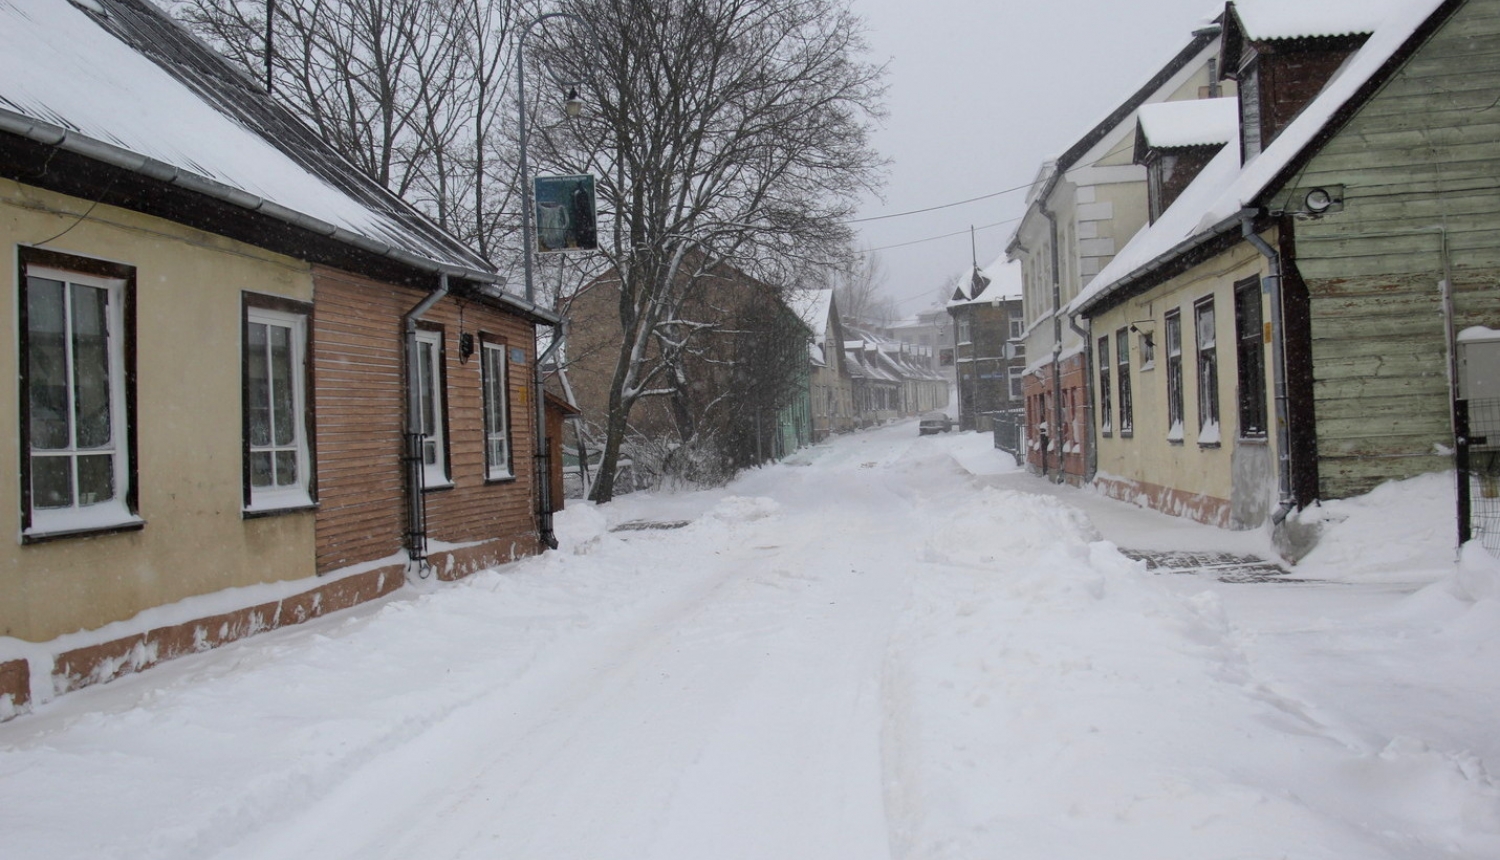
<point x="1194" y="506"/>
<point x="96" y="664"/>
<point x="15" y="688"/>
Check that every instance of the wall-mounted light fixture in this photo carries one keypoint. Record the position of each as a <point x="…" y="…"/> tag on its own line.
<point x="1309" y="201"/>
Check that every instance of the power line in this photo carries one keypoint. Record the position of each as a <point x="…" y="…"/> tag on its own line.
<point x="944" y="236"/>
<point x="942" y="206"/>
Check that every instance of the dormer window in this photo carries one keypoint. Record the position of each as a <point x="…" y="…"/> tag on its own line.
<point x="1175" y="140"/>
<point x="1250" y="124"/>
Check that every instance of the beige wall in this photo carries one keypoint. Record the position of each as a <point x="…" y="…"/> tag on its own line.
<point x="188" y="419"/>
<point x="1187" y="469"/>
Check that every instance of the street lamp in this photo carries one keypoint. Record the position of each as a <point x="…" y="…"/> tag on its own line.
<point x="573" y="106"/>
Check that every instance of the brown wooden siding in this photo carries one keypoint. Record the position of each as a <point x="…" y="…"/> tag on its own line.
<point x="361" y="514"/>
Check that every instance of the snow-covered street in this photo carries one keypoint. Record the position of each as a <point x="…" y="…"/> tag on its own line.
<point x="887" y="646"/>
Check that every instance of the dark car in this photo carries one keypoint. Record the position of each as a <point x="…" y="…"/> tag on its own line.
<point x="934" y="422"/>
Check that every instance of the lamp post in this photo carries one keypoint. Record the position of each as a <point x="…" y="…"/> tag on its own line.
<point x="543" y="444"/>
<point x="574" y="106"/>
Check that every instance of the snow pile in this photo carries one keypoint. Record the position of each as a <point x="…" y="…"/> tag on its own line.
<point x="1033" y="692"/>
<point x="1402" y="531"/>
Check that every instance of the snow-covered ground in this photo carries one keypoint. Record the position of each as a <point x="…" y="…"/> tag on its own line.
<point x="885" y="647"/>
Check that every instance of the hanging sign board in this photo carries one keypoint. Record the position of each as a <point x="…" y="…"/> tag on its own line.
<point x="565" y="214"/>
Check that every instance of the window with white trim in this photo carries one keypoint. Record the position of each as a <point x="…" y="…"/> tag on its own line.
<point x="1208" y="372"/>
<point x="1122" y="364"/>
<point x="432" y="408"/>
<point x="1173" y="320"/>
<point x="1102" y="361"/>
<point x="497" y="452"/>
<point x="76" y="455"/>
<point x="278" y="460"/>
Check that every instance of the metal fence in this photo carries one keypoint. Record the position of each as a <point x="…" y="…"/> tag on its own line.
<point x="1478" y="461"/>
<point x="1007" y="430"/>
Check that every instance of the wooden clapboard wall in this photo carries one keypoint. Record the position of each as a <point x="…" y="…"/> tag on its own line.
<point x="1421" y="156"/>
<point x="359" y="402"/>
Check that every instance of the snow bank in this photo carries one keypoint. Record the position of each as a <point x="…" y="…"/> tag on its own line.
<point x="1402" y="531"/>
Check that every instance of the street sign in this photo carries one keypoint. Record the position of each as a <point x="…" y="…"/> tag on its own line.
<point x="565" y="214"/>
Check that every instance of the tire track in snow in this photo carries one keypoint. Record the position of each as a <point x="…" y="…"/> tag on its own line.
<point x="744" y="719"/>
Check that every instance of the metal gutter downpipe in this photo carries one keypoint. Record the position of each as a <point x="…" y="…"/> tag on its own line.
<point x="1091" y="460"/>
<point x="543" y="454"/>
<point x="1271" y="284"/>
<point x="1057" y="410"/>
<point x="411" y="459"/>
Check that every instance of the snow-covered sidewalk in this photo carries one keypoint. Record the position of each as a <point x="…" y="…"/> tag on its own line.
<point x="885" y="647"/>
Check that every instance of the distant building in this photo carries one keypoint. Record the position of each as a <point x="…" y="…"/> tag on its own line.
<point x="989" y="351"/>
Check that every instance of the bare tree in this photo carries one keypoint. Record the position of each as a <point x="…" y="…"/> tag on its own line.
<point x="724" y="131"/>
<point x="861" y="290"/>
<point x="407" y="90"/>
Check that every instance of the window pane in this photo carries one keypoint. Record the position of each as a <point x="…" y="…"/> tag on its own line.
<point x="258" y="381"/>
<point x="96" y="479"/>
<point x="260" y="469"/>
<point x="51" y="482"/>
<point x="91" y="366"/>
<point x="283" y="404"/>
<point x="286" y="468"/>
<point x="47" y="366"/>
<point x="425" y="364"/>
<point x="494" y="389"/>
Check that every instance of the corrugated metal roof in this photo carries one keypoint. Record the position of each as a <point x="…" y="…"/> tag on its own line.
<point x="1268" y="20"/>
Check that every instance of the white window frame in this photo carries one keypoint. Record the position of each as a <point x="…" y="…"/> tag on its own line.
<point x="430" y="390"/>
<point x="297" y="494"/>
<point x="113" y="512"/>
<point x="493" y="470"/>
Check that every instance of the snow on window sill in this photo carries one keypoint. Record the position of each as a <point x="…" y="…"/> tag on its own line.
<point x="500" y="476"/>
<point x="93" y="519"/>
<point x="1174" y="434"/>
<point x="1208" y="435"/>
<point x="437" y="485"/>
<point x="270" y="502"/>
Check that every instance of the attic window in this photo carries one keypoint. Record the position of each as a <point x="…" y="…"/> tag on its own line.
<point x="93" y="6"/>
<point x="1250" y="131"/>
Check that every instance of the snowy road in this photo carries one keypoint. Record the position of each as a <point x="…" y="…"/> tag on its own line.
<point x="889" y="647"/>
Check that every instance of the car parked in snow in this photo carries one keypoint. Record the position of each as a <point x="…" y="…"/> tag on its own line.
<point x="934" y="422"/>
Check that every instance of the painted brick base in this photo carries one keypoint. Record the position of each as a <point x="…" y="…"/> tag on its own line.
<point x="15" y="688"/>
<point x="456" y="564"/>
<point x="1195" y="506"/>
<point x="96" y="664"/>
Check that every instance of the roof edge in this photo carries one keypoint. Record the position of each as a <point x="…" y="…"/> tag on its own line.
<point x="68" y="140"/>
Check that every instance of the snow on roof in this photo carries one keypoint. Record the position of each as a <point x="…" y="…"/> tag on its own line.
<point x="812" y="307"/>
<point x="1264" y="20"/>
<point x="66" y="73"/>
<point x="1004" y="283"/>
<point x="1197" y="122"/>
<point x="1213" y="201"/>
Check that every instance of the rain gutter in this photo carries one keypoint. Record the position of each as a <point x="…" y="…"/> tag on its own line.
<point x="1057" y="315"/>
<point x="1091" y="460"/>
<point x="543" y="457"/>
<point x="411" y="459"/>
<point x="1271" y="284"/>
<point x="67" y="140"/>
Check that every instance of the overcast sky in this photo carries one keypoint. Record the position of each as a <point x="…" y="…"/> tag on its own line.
<point x="981" y="93"/>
